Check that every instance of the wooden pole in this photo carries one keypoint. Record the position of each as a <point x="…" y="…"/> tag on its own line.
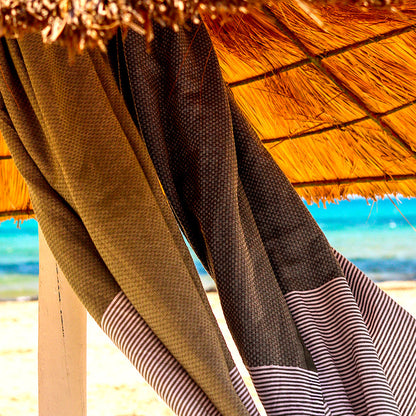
<point x="61" y="342"/>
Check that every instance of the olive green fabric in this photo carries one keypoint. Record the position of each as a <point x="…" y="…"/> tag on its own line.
<point x="100" y="205"/>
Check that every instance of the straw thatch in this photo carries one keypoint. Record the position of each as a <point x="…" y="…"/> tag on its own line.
<point x="90" y="23"/>
<point x="330" y="90"/>
<point x="332" y="96"/>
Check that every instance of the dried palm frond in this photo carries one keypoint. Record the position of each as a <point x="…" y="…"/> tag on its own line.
<point x="89" y="23"/>
<point x="14" y="195"/>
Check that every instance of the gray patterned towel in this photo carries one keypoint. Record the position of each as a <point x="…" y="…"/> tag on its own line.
<point x="309" y="326"/>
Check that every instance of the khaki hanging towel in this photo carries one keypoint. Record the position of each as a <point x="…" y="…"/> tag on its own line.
<point x="317" y="336"/>
<point x="102" y="211"/>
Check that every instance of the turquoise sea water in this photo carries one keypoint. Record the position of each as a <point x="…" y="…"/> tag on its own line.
<point x="375" y="237"/>
<point x="19" y="259"/>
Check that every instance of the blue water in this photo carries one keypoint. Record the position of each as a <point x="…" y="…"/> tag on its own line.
<point x="375" y="237"/>
<point x="19" y="259"/>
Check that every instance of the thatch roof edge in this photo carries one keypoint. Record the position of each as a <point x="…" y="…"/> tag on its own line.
<point x="18" y="215"/>
<point x="350" y="181"/>
<point x="80" y="24"/>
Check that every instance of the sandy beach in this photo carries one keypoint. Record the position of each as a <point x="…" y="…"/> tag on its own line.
<point x="116" y="390"/>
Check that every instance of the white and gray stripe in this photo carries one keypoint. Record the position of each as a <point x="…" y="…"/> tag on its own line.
<point x="330" y="323"/>
<point x="393" y="331"/>
<point x="350" y="378"/>
<point x="288" y="391"/>
<point x="127" y="329"/>
<point x="242" y="392"/>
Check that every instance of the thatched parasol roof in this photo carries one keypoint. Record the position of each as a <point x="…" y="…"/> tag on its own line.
<point x="334" y="104"/>
<point x="331" y="90"/>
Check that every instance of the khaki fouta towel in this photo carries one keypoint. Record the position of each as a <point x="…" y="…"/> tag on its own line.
<point x="102" y="211"/>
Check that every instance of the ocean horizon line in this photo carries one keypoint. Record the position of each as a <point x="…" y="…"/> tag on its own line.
<point x="375" y="236"/>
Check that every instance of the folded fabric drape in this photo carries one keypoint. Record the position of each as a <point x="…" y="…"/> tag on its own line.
<point x="102" y="211"/>
<point x="308" y="324"/>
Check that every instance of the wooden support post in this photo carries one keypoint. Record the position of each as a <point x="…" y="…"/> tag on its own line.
<point x="61" y="342"/>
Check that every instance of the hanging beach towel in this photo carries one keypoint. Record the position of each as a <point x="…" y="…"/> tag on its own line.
<point x="312" y="334"/>
<point x="103" y="214"/>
